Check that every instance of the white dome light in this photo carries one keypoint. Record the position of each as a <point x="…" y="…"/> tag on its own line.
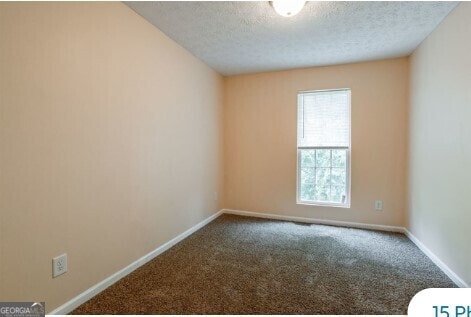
<point x="287" y="8"/>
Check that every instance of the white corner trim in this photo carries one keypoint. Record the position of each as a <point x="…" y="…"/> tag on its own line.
<point x="452" y="275"/>
<point x="94" y="290"/>
<point x="316" y="221"/>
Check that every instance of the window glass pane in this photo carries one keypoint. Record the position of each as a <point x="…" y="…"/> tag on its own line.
<point x="319" y="182"/>
<point x="339" y="158"/>
<point x="323" y="176"/>
<point x="338" y="193"/>
<point x="307" y="158"/>
<point x="308" y="175"/>
<point x="307" y="192"/>
<point x="322" y="158"/>
<point x="322" y="193"/>
<point x="339" y="176"/>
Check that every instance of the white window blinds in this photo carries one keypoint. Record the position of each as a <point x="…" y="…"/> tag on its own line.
<point x="324" y="118"/>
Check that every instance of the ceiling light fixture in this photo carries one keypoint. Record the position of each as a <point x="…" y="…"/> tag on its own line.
<point x="287" y="8"/>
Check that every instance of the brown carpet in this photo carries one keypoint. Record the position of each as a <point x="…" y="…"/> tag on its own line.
<point x="241" y="265"/>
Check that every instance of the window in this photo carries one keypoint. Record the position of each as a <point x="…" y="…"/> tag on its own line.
<point x="324" y="148"/>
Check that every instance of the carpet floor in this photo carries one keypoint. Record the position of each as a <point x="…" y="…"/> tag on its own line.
<point x="242" y="265"/>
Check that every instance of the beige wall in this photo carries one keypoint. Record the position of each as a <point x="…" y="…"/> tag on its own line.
<point x="440" y="134"/>
<point x="110" y="144"/>
<point x="260" y="140"/>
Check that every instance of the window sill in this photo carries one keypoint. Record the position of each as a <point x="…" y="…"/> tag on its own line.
<point x="320" y="204"/>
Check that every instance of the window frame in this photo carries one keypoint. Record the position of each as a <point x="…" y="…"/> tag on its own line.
<point x="348" y="149"/>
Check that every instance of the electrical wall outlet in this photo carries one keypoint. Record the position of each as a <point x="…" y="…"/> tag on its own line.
<point x="215" y="196"/>
<point x="59" y="265"/>
<point x="379" y="205"/>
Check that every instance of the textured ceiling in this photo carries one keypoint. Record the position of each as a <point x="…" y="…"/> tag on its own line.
<point x="246" y="37"/>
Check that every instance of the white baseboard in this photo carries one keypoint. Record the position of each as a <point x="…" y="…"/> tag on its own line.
<point x="94" y="290"/>
<point x="316" y="221"/>
<point x="452" y="275"/>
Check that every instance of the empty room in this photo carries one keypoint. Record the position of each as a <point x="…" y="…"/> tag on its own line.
<point x="252" y="157"/>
